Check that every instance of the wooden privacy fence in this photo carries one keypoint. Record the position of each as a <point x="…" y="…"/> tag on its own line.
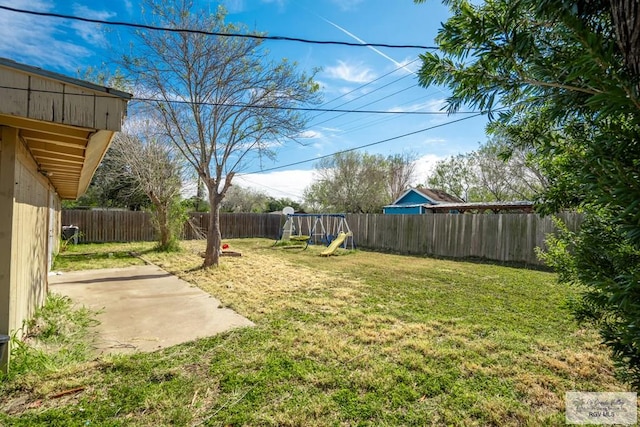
<point x="498" y="237"/>
<point x="129" y="226"/>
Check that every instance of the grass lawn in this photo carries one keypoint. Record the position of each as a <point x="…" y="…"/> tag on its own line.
<point x="359" y="339"/>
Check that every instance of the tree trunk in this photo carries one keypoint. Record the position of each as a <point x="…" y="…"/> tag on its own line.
<point x="163" y="226"/>
<point x="214" y="238"/>
<point x="626" y="19"/>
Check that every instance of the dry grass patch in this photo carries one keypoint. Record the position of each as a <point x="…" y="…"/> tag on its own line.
<point x="359" y="339"/>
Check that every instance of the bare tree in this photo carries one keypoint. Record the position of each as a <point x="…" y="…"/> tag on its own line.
<point x="155" y="170"/>
<point x="402" y="173"/>
<point x="221" y="102"/>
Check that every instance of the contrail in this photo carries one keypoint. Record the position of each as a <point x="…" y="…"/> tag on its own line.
<point x="384" y="55"/>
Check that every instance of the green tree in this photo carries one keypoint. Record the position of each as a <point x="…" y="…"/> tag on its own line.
<point x="276" y="205"/>
<point x="219" y="99"/>
<point x="455" y="176"/>
<point x="568" y="75"/>
<point x="349" y="182"/>
<point x="111" y="187"/>
<point x="155" y="170"/>
<point x="240" y="199"/>
<point x="496" y="171"/>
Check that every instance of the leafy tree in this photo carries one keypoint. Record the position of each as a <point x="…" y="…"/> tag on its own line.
<point x="277" y="205"/>
<point x="239" y="199"/>
<point x="219" y="99"/>
<point x="455" y="176"/>
<point x="568" y="75"/>
<point x="359" y="182"/>
<point x="195" y="204"/>
<point x="151" y="164"/>
<point x="111" y="187"/>
<point x="349" y="182"/>
<point x="494" y="172"/>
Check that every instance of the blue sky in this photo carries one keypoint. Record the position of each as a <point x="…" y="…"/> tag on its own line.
<point x="351" y="77"/>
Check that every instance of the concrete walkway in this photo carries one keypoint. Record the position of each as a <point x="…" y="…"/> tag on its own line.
<point x="144" y="308"/>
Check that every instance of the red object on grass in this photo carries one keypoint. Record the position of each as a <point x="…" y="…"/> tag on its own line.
<point x="225" y="246"/>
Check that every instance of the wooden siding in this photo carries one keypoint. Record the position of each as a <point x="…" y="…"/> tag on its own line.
<point x="24" y="234"/>
<point x="29" y="251"/>
<point x="27" y="94"/>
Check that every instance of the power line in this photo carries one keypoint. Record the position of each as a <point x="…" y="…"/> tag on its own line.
<point x="365" y="145"/>
<point x="330" y="110"/>
<point x="381" y="99"/>
<point x="370" y="82"/>
<point x="242" y="177"/>
<point x="218" y="104"/>
<point x="378" y="121"/>
<point x="212" y="33"/>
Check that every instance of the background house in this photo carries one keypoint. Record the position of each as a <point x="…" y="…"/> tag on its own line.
<point x="54" y="131"/>
<point x="415" y="201"/>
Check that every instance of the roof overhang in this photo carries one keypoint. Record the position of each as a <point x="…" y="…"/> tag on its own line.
<point x="65" y="123"/>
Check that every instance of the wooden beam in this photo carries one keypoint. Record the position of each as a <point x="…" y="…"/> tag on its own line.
<point x="53" y="167"/>
<point x="52" y="138"/>
<point x="55" y="149"/>
<point x="57" y="159"/>
<point x="39" y="126"/>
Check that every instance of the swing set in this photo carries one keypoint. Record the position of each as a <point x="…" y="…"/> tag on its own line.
<point x="316" y="229"/>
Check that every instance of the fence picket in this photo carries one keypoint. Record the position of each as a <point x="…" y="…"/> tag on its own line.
<point x="499" y="237"/>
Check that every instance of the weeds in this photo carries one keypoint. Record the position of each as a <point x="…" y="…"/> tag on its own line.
<point x="58" y="336"/>
<point x="364" y="339"/>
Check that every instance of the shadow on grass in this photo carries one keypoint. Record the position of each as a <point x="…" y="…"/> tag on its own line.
<point x="471" y="260"/>
<point x="91" y="256"/>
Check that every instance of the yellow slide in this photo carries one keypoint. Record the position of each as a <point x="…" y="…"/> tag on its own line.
<point x="334" y="245"/>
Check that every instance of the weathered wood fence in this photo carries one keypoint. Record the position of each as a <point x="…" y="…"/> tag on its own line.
<point x="129" y="226"/>
<point x="499" y="237"/>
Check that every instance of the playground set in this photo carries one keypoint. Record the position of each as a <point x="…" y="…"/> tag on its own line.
<point x="330" y="229"/>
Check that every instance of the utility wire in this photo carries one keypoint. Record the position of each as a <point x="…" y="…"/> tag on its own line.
<point x="217" y="104"/>
<point x="331" y="110"/>
<point x="378" y="121"/>
<point x="212" y="33"/>
<point x="368" y="83"/>
<point x="381" y="99"/>
<point x="242" y="177"/>
<point x="364" y="145"/>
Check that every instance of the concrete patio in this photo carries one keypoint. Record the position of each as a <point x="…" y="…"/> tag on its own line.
<point x="144" y="308"/>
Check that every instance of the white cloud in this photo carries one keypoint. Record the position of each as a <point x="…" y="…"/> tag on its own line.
<point x="234" y="6"/>
<point x="410" y="64"/>
<point x="289" y="184"/>
<point x="434" y="105"/>
<point x="350" y="72"/>
<point x="128" y="6"/>
<point x="280" y="3"/>
<point x="424" y="166"/>
<point x="347" y="4"/>
<point x="310" y="134"/>
<point x="91" y="33"/>
<point x="430" y="106"/>
<point x="36" y="40"/>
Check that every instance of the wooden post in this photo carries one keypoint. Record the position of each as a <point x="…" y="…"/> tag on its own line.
<point x="8" y="143"/>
